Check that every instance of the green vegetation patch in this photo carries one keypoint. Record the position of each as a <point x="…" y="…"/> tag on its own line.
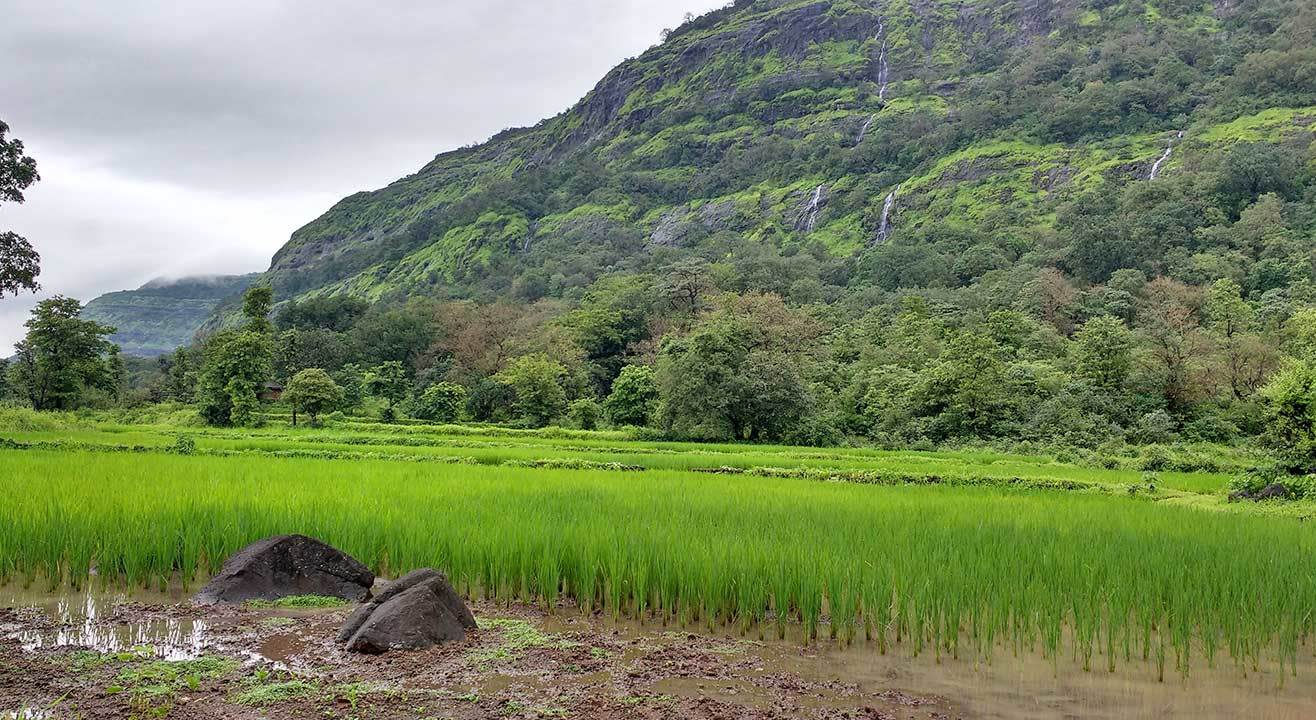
<point x="262" y="694"/>
<point x="517" y="636"/>
<point x="165" y="677"/>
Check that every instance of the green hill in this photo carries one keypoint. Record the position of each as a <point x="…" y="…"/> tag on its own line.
<point x="880" y="144"/>
<point x="163" y="314"/>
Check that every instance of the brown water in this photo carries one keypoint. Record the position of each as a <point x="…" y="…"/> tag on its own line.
<point x="87" y="619"/>
<point x="1029" y="687"/>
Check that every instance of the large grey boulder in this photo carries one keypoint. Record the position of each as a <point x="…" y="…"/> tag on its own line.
<point x="417" y="611"/>
<point x="286" y="566"/>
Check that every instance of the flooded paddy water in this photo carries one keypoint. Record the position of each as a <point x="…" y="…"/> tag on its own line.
<point x="525" y="663"/>
<point x="93" y="619"/>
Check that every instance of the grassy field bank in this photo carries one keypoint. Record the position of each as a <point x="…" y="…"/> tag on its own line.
<point x="556" y="447"/>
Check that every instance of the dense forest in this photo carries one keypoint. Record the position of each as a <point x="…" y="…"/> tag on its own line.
<point x="1079" y="224"/>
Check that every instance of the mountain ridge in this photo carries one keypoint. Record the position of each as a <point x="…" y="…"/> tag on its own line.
<point x="855" y="130"/>
<point x="164" y="314"/>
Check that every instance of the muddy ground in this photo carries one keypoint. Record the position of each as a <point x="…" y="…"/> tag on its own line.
<point x="250" y="662"/>
<point x="143" y="656"/>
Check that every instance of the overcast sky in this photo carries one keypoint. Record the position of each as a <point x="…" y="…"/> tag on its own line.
<point x="181" y="137"/>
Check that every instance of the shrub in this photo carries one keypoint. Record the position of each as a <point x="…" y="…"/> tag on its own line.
<point x="440" y="403"/>
<point x="537" y="381"/>
<point x="585" y="414"/>
<point x="634" y="398"/>
<point x="1154" y="427"/>
<point x="184" y="445"/>
<point x="1155" y="458"/>
<point x="1259" y="482"/>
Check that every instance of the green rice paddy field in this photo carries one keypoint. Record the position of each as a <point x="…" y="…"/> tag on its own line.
<point x="967" y="554"/>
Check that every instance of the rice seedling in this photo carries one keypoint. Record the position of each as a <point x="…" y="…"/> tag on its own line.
<point x="954" y="571"/>
<point x="440" y="444"/>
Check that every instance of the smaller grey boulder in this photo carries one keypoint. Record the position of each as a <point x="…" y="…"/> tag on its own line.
<point x="285" y="566"/>
<point x="417" y="611"/>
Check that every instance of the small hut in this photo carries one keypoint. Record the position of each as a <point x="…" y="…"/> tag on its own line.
<point x="270" y="392"/>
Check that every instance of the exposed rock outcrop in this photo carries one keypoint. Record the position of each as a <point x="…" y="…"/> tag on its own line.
<point x="286" y="566"/>
<point x="417" y="611"/>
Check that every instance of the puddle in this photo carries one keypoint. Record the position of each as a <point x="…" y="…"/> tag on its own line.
<point x="1032" y="688"/>
<point x="281" y="648"/>
<point x="90" y="619"/>
<point x="1028" y="687"/>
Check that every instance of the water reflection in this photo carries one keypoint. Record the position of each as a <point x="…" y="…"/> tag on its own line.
<point x="92" y="620"/>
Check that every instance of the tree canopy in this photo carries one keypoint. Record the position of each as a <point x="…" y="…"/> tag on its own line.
<point x="19" y="262"/>
<point x="63" y="357"/>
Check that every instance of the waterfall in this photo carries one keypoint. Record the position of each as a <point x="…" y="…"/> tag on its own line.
<point x="1169" y="150"/>
<point x="883" y="78"/>
<point x="883" y="70"/>
<point x="884" y="225"/>
<point x="863" y="131"/>
<point x="809" y="219"/>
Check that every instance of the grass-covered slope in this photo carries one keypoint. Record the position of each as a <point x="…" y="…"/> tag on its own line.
<point x="842" y="127"/>
<point x="163" y="314"/>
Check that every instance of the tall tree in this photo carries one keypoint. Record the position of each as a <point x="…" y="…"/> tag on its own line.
<point x="738" y="374"/>
<point x="312" y="391"/>
<point x="63" y="356"/>
<point x="1290" y="398"/>
<point x="634" y="397"/>
<point x="352" y="380"/>
<point x="1102" y="352"/>
<point x="19" y="263"/>
<point x="237" y="364"/>
<point x="968" y="392"/>
<point x="389" y="381"/>
<point x="1168" y="315"/>
<point x="1231" y="321"/>
<point x="537" y="381"/>
<point x="257" y="304"/>
<point x="180" y="383"/>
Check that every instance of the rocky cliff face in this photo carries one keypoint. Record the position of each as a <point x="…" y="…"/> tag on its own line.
<point x="983" y="114"/>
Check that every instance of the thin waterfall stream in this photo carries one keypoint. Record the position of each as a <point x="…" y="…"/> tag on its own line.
<point x="809" y="219"/>
<point x="883" y="78"/>
<point x="1165" y="156"/>
<point x="884" y="224"/>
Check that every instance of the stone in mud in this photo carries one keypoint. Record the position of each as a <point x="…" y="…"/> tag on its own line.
<point x="417" y="611"/>
<point x="286" y="566"/>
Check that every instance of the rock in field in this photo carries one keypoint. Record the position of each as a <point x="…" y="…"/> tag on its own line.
<point x="286" y="566"/>
<point x="417" y="611"/>
<point x="1273" y="491"/>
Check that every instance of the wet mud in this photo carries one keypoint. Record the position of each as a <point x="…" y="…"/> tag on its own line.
<point x="131" y="656"/>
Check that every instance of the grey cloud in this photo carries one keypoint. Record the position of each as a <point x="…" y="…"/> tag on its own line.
<point x="193" y="137"/>
<point x="208" y="94"/>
